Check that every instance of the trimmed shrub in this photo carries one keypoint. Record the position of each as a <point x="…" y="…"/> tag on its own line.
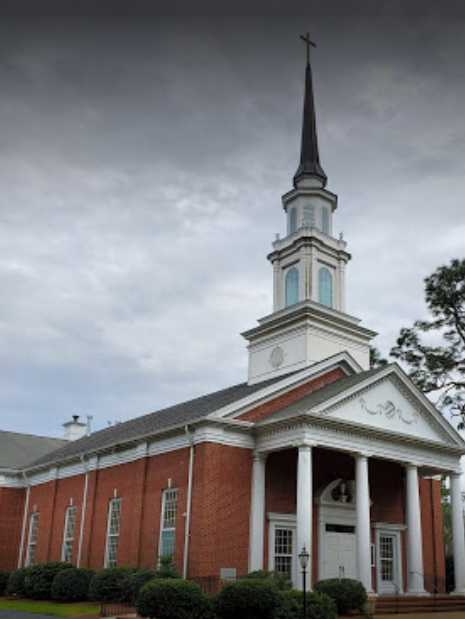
<point x="319" y="606"/>
<point x="248" y="599"/>
<point x="111" y="585"/>
<point x="71" y="585"/>
<point x="136" y="581"/>
<point x="171" y="598"/>
<point x="15" y="586"/>
<point x="348" y="594"/>
<point x="167" y="569"/>
<point x="4" y="576"/>
<point x="39" y="578"/>
<point x="281" y="582"/>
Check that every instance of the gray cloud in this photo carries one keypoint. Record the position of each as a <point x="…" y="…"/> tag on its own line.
<point x="141" y="168"/>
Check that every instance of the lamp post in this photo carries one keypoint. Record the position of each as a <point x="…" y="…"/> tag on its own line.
<point x="304" y="557"/>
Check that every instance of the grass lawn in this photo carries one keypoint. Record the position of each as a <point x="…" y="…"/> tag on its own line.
<point x="57" y="609"/>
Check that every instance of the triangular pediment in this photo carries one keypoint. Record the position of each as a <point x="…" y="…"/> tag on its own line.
<point x="393" y="405"/>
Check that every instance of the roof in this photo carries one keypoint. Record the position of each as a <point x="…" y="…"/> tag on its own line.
<point x="19" y="450"/>
<point x="151" y="423"/>
<point x="330" y="391"/>
<point x="309" y="156"/>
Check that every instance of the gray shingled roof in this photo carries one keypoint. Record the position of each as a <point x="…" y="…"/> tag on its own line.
<point x="151" y="423"/>
<point x="19" y="450"/>
<point x="329" y="391"/>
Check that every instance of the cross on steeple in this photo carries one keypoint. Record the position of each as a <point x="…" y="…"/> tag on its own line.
<point x="306" y="39"/>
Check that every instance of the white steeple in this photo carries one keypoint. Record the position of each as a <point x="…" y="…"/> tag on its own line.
<point x="308" y="323"/>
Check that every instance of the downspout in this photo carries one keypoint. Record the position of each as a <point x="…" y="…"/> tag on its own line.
<point x="83" y="511"/>
<point x="189" y="503"/>
<point x="23" y="529"/>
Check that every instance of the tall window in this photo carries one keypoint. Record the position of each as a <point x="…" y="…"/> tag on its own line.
<point x="68" y="535"/>
<point x="113" y="529"/>
<point x="325" y="287"/>
<point x="168" y="523"/>
<point x="309" y="216"/>
<point x="292" y="287"/>
<point x="283" y="552"/>
<point x="292" y="220"/>
<point x="32" y="538"/>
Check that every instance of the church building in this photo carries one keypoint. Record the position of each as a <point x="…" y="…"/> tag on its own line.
<point x="313" y="450"/>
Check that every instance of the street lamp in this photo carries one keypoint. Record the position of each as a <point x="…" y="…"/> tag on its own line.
<point x="304" y="557"/>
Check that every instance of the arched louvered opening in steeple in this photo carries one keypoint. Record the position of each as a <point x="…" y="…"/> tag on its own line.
<point x="292" y="287"/>
<point x="325" y="287"/>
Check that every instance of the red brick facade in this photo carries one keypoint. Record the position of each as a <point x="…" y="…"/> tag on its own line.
<point x="219" y="531"/>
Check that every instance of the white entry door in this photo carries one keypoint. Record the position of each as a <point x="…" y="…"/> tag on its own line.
<point x="339" y="552"/>
<point x="388" y="564"/>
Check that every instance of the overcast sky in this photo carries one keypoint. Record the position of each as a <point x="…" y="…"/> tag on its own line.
<point x="142" y="162"/>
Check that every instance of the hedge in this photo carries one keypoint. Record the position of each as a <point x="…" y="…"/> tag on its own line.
<point x="4" y="576"/>
<point x="319" y="606"/>
<point x="279" y="580"/>
<point x="349" y="595"/>
<point x="15" y="586"/>
<point x="136" y="581"/>
<point x="170" y="598"/>
<point x="71" y="585"/>
<point x="111" y="585"/>
<point x="39" y="578"/>
<point x="248" y="599"/>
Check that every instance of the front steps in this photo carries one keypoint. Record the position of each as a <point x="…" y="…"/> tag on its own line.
<point x="387" y="605"/>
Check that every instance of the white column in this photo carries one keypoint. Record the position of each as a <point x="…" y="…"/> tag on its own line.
<point x="363" y="530"/>
<point x="415" y="569"/>
<point x="257" y="513"/>
<point x="458" y="532"/>
<point x="304" y="509"/>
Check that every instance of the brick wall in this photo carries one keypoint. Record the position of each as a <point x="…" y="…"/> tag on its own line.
<point x="264" y="410"/>
<point x="11" y="516"/>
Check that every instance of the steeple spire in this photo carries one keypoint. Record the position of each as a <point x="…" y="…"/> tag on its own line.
<point x="309" y="156"/>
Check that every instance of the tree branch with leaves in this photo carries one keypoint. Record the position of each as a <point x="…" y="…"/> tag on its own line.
<point x="433" y="350"/>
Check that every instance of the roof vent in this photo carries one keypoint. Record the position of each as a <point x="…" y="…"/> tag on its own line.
<point x="74" y="429"/>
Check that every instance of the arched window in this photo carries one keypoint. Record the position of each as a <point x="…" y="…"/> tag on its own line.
<point x="292" y="220"/>
<point x="292" y="287"/>
<point x="309" y="216"/>
<point x="325" y="287"/>
<point x="325" y="220"/>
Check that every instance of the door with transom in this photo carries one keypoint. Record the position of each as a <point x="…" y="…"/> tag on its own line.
<point x="388" y="565"/>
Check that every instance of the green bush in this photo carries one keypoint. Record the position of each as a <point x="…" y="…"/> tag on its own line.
<point x="348" y="594"/>
<point x="71" y="585"/>
<point x="167" y="569"/>
<point x="39" y="578"/>
<point x="111" y="585"/>
<point x="4" y="576"/>
<point x="15" y="586"/>
<point x="281" y="582"/>
<point x="319" y="606"/>
<point x="248" y="599"/>
<point x="170" y="598"/>
<point x="136" y="581"/>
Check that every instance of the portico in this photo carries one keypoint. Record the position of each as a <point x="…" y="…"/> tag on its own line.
<point x="351" y="492"/>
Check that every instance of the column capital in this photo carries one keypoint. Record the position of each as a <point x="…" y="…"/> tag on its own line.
<point x="411" y="465"/>
<point x="304" y="443"/>
<point x="362" y="454"/>
<point x="456" y="473"/>
<point x="259" y="456"/>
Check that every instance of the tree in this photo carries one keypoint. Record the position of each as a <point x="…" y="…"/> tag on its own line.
<point x="434" y="350"/>
<point x="376" y="359"/>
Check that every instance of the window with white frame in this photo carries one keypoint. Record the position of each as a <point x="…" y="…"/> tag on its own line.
<point x="68" y="534"/>
<point x="309" y="216"/>
<point x="168" y="523"/>
<point x="113" y="530"/>
<point x="32" y="539"/>
<point x="283" y="551"/>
